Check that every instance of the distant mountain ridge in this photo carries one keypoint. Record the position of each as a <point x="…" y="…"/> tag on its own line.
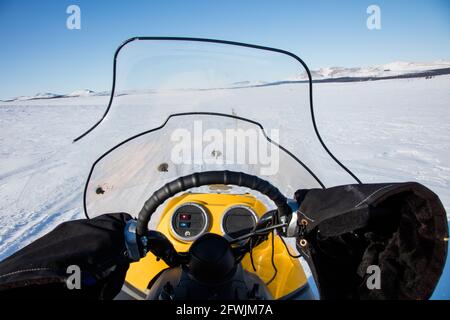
<point x="393" y="70"/>
<point x="49" y="95"/>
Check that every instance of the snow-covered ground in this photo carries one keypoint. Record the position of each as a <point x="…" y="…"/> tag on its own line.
<point x="388" y="130"/>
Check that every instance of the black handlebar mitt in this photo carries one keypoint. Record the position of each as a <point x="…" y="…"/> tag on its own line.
<point x="42" y="269"/>
<point x="350" y="231"/>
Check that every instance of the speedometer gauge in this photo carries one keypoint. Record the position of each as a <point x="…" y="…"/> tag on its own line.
<point x="189" y="221"/>
<point x="238" y="220"/>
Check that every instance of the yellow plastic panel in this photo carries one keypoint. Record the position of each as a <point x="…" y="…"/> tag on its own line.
<point x="290" y="274"/>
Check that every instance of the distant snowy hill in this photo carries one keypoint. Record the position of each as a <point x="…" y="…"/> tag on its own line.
<point x="45" y="95"/>
<point x="393" y="69"/>
<point x="81" y="93"/>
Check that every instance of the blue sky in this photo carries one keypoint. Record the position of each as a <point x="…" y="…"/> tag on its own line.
<point x="39" y="54"/>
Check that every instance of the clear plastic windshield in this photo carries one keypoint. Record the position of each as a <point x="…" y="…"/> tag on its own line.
<point x="187" y="106"/>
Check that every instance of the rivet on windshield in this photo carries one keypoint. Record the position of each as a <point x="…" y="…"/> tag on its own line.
<point x="99" y="190"/>
<point x="163" y="167"/>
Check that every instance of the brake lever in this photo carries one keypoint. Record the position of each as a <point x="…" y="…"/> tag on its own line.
<point x="287" y="228"/>
<point x="161" y="247"/>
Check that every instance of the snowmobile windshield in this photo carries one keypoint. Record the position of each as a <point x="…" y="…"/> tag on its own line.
<point x="180" y="106"/>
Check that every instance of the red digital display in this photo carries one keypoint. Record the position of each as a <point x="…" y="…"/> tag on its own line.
<point x="185" y="216"/>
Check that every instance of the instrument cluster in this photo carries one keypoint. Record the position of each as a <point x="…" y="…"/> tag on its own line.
<point x="190" y="220"/>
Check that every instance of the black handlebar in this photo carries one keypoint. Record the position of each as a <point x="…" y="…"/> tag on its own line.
<point x="207" y="178"/>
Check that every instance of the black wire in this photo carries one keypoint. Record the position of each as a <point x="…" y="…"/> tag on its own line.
<point x="273" y="259"/>
<point x="251" y="254"/>
<point x="287" y="249"/>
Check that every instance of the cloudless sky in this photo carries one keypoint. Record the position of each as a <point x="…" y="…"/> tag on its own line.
<point x="39" y="54"/>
